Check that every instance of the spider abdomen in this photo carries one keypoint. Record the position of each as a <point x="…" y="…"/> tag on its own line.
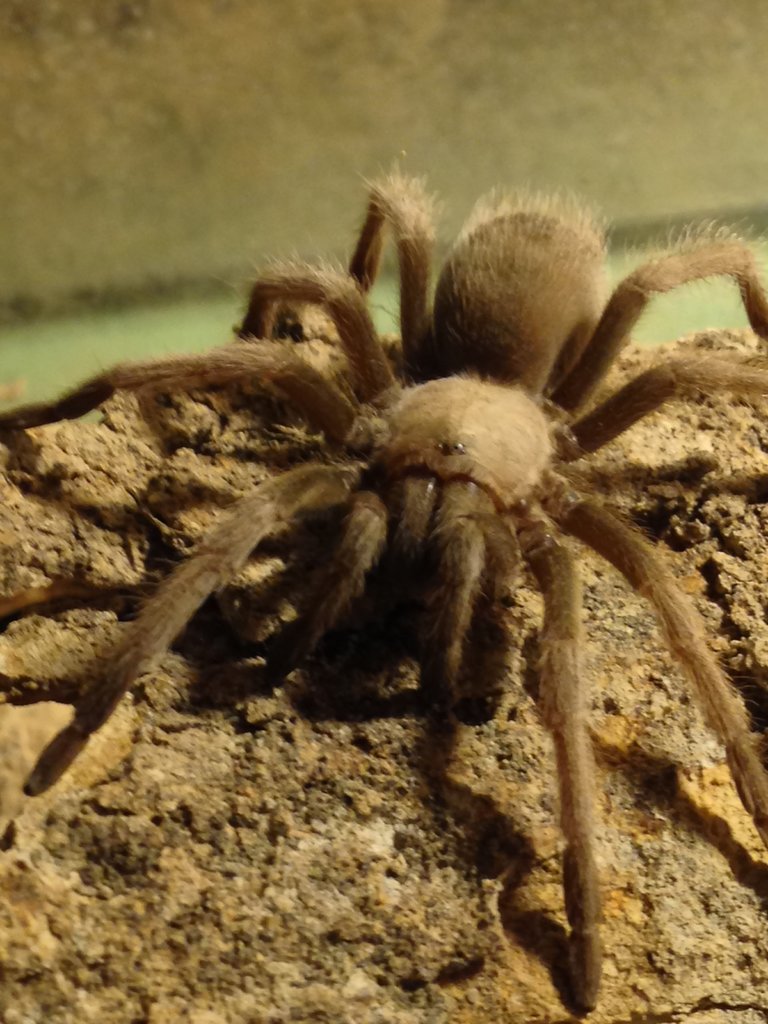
<point x="521" y="291"/>
<point x="494" y="436"/>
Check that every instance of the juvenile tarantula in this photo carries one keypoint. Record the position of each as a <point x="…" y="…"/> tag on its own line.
<point x="458" y="454"/>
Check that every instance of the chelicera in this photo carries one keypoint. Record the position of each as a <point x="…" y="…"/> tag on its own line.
<point x="459" y="452"/>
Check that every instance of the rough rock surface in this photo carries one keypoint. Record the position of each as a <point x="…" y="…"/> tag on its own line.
<point x="321" y="852"/>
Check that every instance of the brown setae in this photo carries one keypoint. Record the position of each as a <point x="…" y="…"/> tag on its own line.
<point x="456" y="462"/>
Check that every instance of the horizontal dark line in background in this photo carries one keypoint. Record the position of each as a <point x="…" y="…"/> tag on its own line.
<point x="750" y="221"/>
<point x="16" y="309"/>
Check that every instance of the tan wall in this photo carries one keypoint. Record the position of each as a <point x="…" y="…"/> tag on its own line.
<point x="152" y="141"/>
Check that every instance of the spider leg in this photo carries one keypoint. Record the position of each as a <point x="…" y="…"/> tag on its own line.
<point x="221" y="554"/>
<point x="363" y="539"/>
<point x="503" y="553"/>
<point x="685" y="635"/>
<point x="416" y="498"/>
<point x="564" y="709"/>
<point x="678" y="378"/>
<point x="460" y="539"/>
<point x="324" y="406"/>
<point x="339" y="294"/>
<point x="405" y="205"/>
<point x="697" y="258"/>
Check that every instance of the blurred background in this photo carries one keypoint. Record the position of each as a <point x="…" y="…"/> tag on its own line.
<point x="155" y="152"/>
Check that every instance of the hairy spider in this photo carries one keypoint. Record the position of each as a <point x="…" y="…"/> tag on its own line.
<point x="459" y="454"/>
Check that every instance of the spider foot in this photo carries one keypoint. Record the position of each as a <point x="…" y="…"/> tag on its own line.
<point x="56" y="758"/>
<point x="586" y="955"/>
<point x="284" y="653"/>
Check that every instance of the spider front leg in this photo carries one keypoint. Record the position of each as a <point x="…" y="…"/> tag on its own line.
<point x="364" y="536"/>
<point x="415" y="500"/>
<point x="220" y="555"/>
<point x="564" y="708"/>
<point x="473" y="546"/>
<point x="323" y="405"/>
<point x="461" y="547"/>
<point x="685" y="634"/>
<point x="404" y="204"/>
<point x="697" y="258"/>
<point x="369" y="367"/>
<point x="678" y="378"/>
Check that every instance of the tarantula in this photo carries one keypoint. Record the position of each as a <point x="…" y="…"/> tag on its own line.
<point x="458" y="453"/>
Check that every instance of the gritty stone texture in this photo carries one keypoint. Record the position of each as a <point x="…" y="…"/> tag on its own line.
<point x="322" y="852"/>
<point x="149" y="143"/>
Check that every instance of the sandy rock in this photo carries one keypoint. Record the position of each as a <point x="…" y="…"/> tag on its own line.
<point x="323" y="852"/>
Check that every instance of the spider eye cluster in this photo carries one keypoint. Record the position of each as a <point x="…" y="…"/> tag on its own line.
<point x="452" y="448"/>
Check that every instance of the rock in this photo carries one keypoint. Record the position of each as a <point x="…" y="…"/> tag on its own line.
<point x="224" y="852"/>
